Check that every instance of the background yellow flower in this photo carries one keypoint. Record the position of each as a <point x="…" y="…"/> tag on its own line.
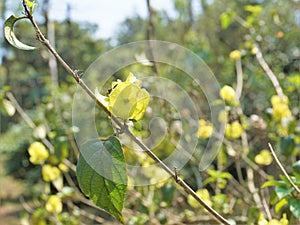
<point x="38" y="153"/>
<point x="227" y="93"/>
<point x="205" y="129"/>
<point x="50" y="173"/>
<point x="54" y="204"/>
<point x="233" y="130"/>
<point x="235" y="55"/>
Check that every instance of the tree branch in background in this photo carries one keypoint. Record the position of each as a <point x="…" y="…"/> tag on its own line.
<point x="27" y="119"/>
<point x="283" y="170"/>
<point x="150" y="28"/>
<point x="262" y="62"/>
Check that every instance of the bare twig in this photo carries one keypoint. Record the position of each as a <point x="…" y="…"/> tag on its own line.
<point x="269" y="72"/>
<point x="27" y="119"/>
<point x="262" y="61"/>
<point x="77" y="78"/>
<point x="283" y="170"/>
<point x="239" y="86"/>
<point x="150" y="28"/>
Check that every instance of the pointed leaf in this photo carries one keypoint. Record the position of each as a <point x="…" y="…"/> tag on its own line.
<point x="283" y="191"/>
<point x="10" y="35"/>
<point x="295" y="207"/>
<point x="273" y="183"/>
<point x="101" y="174"/>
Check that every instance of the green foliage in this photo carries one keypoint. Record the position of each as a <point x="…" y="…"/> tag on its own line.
<point x="218" y="177"/>
<point x="101" y="174"/>
<point x="285" y="194"/>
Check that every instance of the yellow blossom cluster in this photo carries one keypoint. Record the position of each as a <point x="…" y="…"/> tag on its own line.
<point x="233" y="130"/>
<point x="264" y="158"/>
<point x="54" y="204"/>
<point x="126" y="100"/>
<point x="235" y="55"/>
<point x="227" y="93"/>
<point x="205" y="129"/>
<point x="280" y="107"/>
<point x="203" y="194"/>
<point x="38" y="153"/>
<point x="50" y="173"/>
<point x="263" y="221"/>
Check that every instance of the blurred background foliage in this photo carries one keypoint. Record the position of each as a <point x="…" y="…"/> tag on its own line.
<point x="210" y="31"/>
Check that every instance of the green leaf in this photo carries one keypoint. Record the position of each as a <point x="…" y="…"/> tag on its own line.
<point x="296" y="169"/>
<point x="280" y="204"/>
<point x="102" y="176"/>
<point x="295" y="207"/>
<point x="273" y="183"/>
<point x="10" y="35"/>
<point x="283" y="191"/>
<point x="226" y="19"/>
<point x="287" y="145"/>
<point x="254" y="9"/>
<point x="31" y="5"/>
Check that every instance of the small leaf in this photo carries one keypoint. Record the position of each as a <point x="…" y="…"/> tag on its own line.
<point x="283" y="191"/>
<point x="296" y="169"/>
<point x="102" y="176"/>
<point x="226" y="19"/>
<point x="287" y="145"/>
<point x="10" y="35"/>
<point x="9" y="107"/>
<point x="31" y="6"/>
<point x="273" y="183"/>
<point x="280" y="204"/>
<point x="295" y="207"/>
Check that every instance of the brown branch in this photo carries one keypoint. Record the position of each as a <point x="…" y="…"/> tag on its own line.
<point x="150" y="28"/>
<point x="283" y="170"/>
<point x="27" y="119"/>
<point x="262" y="62"/>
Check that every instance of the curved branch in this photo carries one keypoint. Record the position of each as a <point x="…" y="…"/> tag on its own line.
<point x="283" y="170"/>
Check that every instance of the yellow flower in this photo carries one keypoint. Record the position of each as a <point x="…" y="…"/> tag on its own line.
<point x="223" y="116"/>
<point x="38" y="153"/>
<point x="205" y="129"/>
<point x="63" y="167"/>
<point x="281" y="111"/>
<point x="284" y="220"/>
<point x="203" y="194"/>
<point x="263" y="221"/>
<point x="54" y="204"/>
<point x="50" y="173"/>
<point x="235" y="55"/>
<point x="233" y="130"/>
<point x="227" y="93"/>
<point x="127" y="100"/>
<point x="264" y="158"/>
<point x="280" y="107"/>
<point x="275" y="99"/>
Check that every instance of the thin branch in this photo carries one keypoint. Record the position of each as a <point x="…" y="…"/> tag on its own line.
<point x="282" y="169"/>
<point x="269" y="72"/>
<point x="239" y="86"/>
<point x="27" y="119"/>
<point x="262" y="62"/>
<point x="73" y="73"/>
<point x="150" y="28"/>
